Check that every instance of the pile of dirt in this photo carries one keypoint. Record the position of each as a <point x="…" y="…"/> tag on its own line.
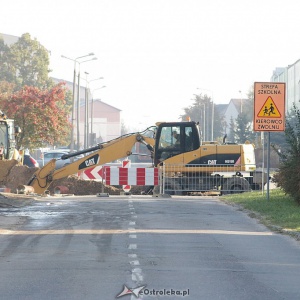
<point x="5" y="169"/>
<point x="19" y="175"/>
<point x="79" y="186"/>
<point x="13" y="175"/>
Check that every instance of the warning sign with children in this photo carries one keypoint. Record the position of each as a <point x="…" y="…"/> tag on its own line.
<point x="269" y="106"/>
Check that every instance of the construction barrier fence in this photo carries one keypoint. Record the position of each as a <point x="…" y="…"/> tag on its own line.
<point x="187" y="179"/>
<point x="131" y="176"/>
<point x="183" y="179"/>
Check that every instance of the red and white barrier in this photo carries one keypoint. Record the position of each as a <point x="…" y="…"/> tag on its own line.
<point x="94" y="173"/>
<point x="125" y="175"/>
<point x="131" y="176"/>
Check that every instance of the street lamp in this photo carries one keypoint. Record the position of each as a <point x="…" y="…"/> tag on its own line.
<point x="86" y="122"/>
<point x="212" y="111"/>
<point x="74" y="96"/>
<point x="92" y="108"/>
<point x="86" y="119"/>
<point x="78" y="101"/>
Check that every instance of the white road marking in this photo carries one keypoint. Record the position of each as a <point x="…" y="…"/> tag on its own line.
<point x="124" y="231"/>
<point x="132" y="236"/>
<point x="137" y="275"/>
<point x="132" y="246"/>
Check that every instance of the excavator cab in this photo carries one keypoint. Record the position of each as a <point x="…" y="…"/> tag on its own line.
<point x="7" y="139"/>
<point x="4" y="141"/>
<point x="175" y="138"/>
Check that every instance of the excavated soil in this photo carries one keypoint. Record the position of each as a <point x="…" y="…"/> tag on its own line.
<point x="79" y="186"/>
<point x="13" y="175"/>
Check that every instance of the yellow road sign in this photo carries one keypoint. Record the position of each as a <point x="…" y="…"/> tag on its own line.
<point x="269" y="109"/>
<point x="269" y="106"/>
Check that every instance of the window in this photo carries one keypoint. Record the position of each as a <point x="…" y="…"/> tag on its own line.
<point x="170" y="137"/>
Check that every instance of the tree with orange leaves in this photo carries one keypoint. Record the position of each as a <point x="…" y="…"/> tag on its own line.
<point x="42" y="115"/>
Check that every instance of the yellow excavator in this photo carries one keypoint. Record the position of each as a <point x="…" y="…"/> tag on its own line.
<point x="188" y="164"/>
<point x="8" y="132"/>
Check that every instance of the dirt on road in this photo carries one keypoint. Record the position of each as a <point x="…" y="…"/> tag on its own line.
<point x="13" y="175"/>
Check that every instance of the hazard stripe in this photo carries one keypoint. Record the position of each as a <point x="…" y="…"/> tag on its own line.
<point x="140" y="174"/>
<point x="132" y="176"/>
<point x="107" y="176"/>
<point x="123" y="176"/>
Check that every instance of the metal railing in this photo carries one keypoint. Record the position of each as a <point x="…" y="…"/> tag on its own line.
<point x="183" y="179"/>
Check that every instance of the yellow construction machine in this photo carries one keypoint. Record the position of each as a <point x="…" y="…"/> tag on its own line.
<point x="187" y="163"/>
<point x="8" y="132"/>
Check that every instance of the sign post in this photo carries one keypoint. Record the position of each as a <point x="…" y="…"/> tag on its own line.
<point x="269" y="112"/>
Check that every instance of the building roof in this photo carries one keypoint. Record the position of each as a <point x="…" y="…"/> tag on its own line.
<point x="221" y="108"/>
<point x="101" y="102"/>
<point x="238" y="102"/>
<point x="9" y="39"/>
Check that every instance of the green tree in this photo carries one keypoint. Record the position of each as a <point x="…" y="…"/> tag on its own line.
<point x="25" y="84"/>
<point x="288" y="176"/>
<point x="25" y="62"/>
<point x="232" y="129"/>
<point x="5" y="73"/>
<point x="202" y="111"/>
<point x="42" y="115"/>
<point x="278" y="139"/>
<point x="243" y="129"/>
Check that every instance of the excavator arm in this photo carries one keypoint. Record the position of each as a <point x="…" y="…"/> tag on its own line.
<point x="99" y="155"/>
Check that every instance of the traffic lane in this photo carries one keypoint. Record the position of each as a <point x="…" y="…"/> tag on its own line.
<point x="199" y="213"/>
<point x="68" y="249"/>
<point x="274" y="261"/>
<point x="85" y="271"/>
<point x="199" y="265"/>
<point x="171" y="232"/>
<point x="184" y="239"/>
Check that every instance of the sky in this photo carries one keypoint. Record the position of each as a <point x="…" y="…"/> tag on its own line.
<point x="155" y="55"/>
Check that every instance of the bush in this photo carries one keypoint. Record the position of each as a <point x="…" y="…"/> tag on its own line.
<point x="288" y="176"/>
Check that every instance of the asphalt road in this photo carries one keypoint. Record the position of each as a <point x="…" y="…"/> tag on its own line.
<point x="173" y="248"/>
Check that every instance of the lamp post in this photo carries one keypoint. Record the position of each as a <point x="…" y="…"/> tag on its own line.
<point x="74" y="95"/>
<point x="86" y="119"/>
<point x="92" y="108"/>
<point x="78" y="101"/>
<point x="86" y="122"/>
<point x="241" y="101"/>
<point x="212" y="111"/>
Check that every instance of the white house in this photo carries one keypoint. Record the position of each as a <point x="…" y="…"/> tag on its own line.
<point x="233" y="109"/>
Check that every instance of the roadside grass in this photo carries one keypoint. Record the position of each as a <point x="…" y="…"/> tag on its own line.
<point x="279" y="212"/>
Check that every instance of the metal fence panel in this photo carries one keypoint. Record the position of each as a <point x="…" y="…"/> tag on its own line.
<point x="187" y="179"/>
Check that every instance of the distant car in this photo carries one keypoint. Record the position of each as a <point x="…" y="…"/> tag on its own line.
<point x="30" y="162"/>
<point x="57" y="154"/>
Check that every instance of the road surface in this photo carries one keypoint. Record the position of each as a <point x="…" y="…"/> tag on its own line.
<point x="141" y="247"/>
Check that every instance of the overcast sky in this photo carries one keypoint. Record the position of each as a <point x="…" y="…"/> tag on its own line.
<point x="155" y="54"/>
